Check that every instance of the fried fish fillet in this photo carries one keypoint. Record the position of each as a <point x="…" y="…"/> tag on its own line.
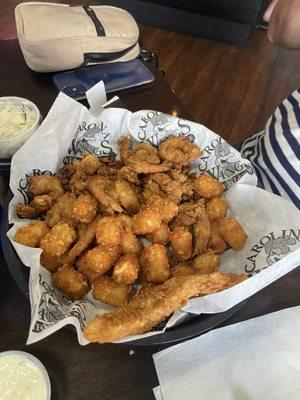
<point x="152" y="306"/>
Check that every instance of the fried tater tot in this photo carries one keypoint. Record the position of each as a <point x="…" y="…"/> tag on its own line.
<point x="52" y="263"/>
<point x="126" y="195"/>
<point x="42" y="203"/>
<point x="130" y="243"/>
<point x="216" y="208"/>
<point x="206" y="263"/>
<point x="167" y="208"/>
<point x="182" y="270"/>
<point x="95" y="262"/>
<point x="126" y="220"/>
<point x="109" y="231"/>
<point x="90" y="164"/>
<point x="208" y="187"/>
<point x="57" y="241"/>
<point x="45" y="184"/>
<point x="71" y="282"/>
<point x="115" y="252"/>
<point x="85" y="208"/>
<point x="31" y="235"/>
<point x="26" y="211"/>
<point x="160" y="236"/>
<point x="215" y="240"/>
<point x="110" y="292"/>
<point x="155" y="263"/>
<point x="182" y="243"/>
<point x="127" y="269"/>
<point x="146" y="221"/>
<point x="179" y="150"/>
<point x="232" y="232"/>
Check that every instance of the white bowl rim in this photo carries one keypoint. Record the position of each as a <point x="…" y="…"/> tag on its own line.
<point x="37" y="362"/>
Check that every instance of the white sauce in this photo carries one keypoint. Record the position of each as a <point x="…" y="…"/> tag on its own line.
<point x="20" y="379"/>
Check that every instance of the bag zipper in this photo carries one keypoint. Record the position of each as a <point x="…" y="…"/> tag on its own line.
<point x="104" y="57"/>
<point x="98" y="26"/>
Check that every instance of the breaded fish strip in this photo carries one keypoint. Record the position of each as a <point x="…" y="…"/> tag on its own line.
<point x="151" y="307"/>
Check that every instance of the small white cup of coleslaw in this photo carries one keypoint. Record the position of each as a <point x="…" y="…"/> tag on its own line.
<point x="19" y="119"/>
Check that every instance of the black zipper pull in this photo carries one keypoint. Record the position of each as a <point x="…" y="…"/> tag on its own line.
<point x="91" y="13"/>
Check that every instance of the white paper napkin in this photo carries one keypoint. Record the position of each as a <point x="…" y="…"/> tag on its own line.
<point x="258" y="359"/>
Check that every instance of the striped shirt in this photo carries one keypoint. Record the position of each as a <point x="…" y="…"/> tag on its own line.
<point x="275" y="152"/>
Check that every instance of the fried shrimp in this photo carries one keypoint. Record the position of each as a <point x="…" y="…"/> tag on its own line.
<point x="26" y="211"/>
<point x="100" y="187"/>
<point x="179" y="150"/>
<point x="167" y="208"/>
<point x="126" y="195"/>
<point x="45" y="184"/>
<point x="90" y="164"/>
<point x="62" y="210"/>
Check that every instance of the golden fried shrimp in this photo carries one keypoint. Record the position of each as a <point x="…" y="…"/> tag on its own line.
<point x="182" y="270"/>
<point x="52" y="263"/>
<point x="207" y="186"/>
<point x="201" y="231"/>
<point x="188" y="213"/>
<point x="141" y="167"/>
<point x="31" y="234"/>
<point x="216" y="208"/>
<point x="232" y="232"/>
<point x="125" y="147"/>
<point x="62" y="210"/>
<point x="110" y="292"/>
<point x="115" y="252"/>
<point x="155" y="263"/>
<point x="90" y="164"/>
<point x="98" y="186"/>
<point x="71" y="282"/>
<point x="126" y="220"/>
<point x="109" y="231"/>
<point x="45" y="184"/>
<point x="127" y="173"/>
<point x="179" y="150"/>
<point x="127" y="269"/>
<point x="182" y="243"/>
<point x="95" y="262"/>
<point x="42" y="203"/>
<point x="167" y="208"/>
<point x="26" y="211"/>
<point x="78" y="180"/>
<point x="206" y="263"/>
<point x="86" y="238"/>
<point x="126" y="195"/>
<point x="215" y="241"/>
<point x="57" y="241"/>
<point x="170" y="187"/>
<point x="146" y="221"/>
<point x="85" y="208"/>
<point x="130" y="244"/>
<point x="160" y="236"/>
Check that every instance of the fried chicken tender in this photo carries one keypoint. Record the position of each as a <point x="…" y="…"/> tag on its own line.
<point x="26" y="211"/>
<point x="155" y="263"/>
<point x="62" y="210"/>
<point x="206" y="263"/>
<point x="216" y="208"/>
<point x="31" y="234"/>
<point x="126" y="195"/>
<point x="127" y="269"/>
<point x="208" y="187"/>
<point x="215" y="240"/>
<point x="109" y="231"/>
<point x="167" y="208"/>
<point x="146" y="221"/>
<point x="130" y="243"/>
<point x="182" y="243"/>
<point x="232" y="232"/>
<point x="160" y="236"/>
<point x="71" y="282"/>
<point x="110" y="292"/>
<point x="90" y="164"/>
<point x="85" y="208"/>
<point x="179" y="150"/>
<point x="154" y="304"/>
<point x="95" y="262"/>
<point x="45" y="184"/>
<point x="57" y="241"/>
<point x="182" y="270"/>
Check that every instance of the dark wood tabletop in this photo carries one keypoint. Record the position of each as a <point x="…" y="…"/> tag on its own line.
<point x="107" y="372"/>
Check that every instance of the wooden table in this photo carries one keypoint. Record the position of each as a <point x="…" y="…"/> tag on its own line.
<point x="106" y="372"/>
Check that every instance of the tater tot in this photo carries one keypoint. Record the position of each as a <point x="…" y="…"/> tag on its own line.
<point x="90" y="164"/>
<point x="109" y="231"/>
<point x="161" y="236"/>
<point x="130" y="243"/>
<point x="52" y="263"/>
<point x="208" y="187"/>
<point x="127" y="269"/>
<point x="95" y="262"/>
<point x="71" y="282"/>
<point x="182" y="243"/>
<point x="115" y="252"/>
<point x="126" y="195"/>
<point x="182" y="270"/>
<point x="155" y="263"/>
<point x="57" y="241"/>
<point x="31" y="234"/>
<point x="216" y="208"/>
<point x="110" y="292"/>
<point x="206" y="263"/>
<point x="166" y="207"/>
<point x="84" y="209"/>
<point x="126" y="220"/>
<point x="146" y="221"/>
<point x="232" y="232"/>
<point x="215" y="241"/>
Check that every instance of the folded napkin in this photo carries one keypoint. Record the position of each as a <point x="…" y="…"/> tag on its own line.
<point x="258" y="359"/>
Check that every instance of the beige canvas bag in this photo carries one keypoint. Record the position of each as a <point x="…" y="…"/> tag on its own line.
<point x="56" y="37"/>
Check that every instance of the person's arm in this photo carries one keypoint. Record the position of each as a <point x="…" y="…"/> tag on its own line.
<point x="283" y="17"/>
